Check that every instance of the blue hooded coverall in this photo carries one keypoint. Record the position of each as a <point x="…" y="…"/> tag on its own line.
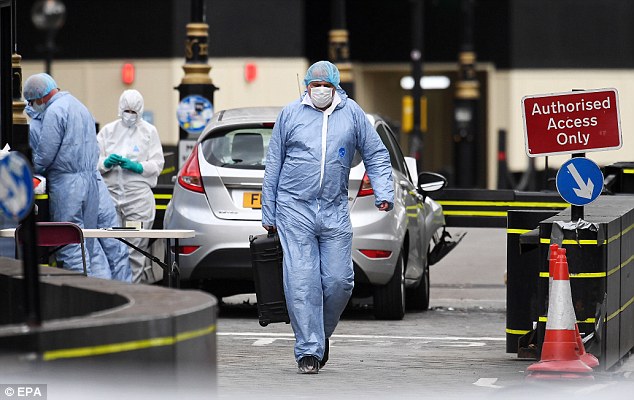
<point x="110" y="260"/>
<point x="305" y="196"/>
<point x="67" y="157"/>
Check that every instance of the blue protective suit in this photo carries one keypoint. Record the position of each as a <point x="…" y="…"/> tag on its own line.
<point x="305" y="196"/>
<point x="67" y="156"/>
<point x="116" y="252"/>
<point x="110" y="258"/>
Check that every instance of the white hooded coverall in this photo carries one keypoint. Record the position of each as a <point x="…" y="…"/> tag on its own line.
<point x="132" y="192"/>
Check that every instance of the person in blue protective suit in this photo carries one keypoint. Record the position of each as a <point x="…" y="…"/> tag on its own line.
<point x="305" y="199"/>
<point x="67" y="155"/>
<point x="110" y="260"/>
<point x="116" y="252"/>
<point x="130" y="161"/>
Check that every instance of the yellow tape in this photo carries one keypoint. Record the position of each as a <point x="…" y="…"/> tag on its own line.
<point x="503" y="203"/>
<point x="580" y="275"/>
<point x="41" y="197"/>
<point x="585" y="321"/>
<point x="518" y="231"/>
<point x="623" y="307"/>
<point x="628" y="171"/>
<point x="168" y="170"/>
<point x="571" y="241"/>
<point x="126" y="346"/>
<point x="477" y="213"/>
<point x="161" y="196"/>
<point x="516" y="331"/>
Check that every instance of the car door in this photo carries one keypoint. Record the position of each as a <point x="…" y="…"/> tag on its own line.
<point x="405" y="193"/>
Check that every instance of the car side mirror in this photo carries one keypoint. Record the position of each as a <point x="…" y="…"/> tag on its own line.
<point x="430" y="182"/>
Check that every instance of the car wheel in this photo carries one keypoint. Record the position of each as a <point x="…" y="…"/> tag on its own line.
<point x="389" y="300"/>
<point x="417" y="298"/>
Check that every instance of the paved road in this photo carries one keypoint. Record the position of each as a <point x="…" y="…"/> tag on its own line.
<point x="454" y="350"/>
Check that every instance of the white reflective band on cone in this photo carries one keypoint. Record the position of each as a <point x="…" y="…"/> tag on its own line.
<point x="561" y="312"/>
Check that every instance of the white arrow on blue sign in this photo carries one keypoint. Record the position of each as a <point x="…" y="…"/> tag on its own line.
<point x="579" y="181"/>
<point x="16" y="186"/>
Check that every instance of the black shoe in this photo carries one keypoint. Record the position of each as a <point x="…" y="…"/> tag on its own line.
<point x="308" y="365"/>
<point x="324" y="359"/>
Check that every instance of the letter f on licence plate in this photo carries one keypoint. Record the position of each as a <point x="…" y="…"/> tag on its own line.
<point x="252" y="200"/>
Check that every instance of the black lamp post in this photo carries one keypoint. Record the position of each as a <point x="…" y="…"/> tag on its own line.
<point x="466" y="102"/>
<point x="196" y="80"/>
<point x="338" y="49"/>
<point x="416" y="56"/>
<point x="49" y="16"/>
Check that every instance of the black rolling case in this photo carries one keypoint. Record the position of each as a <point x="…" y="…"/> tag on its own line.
<point x="266" y="259"/>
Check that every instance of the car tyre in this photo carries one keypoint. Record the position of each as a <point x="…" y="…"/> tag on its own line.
<point x="417" y="298"/>
<point x="389" y="300"/>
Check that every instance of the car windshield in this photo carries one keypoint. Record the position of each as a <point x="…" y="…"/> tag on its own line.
<point x="243" y="148"/>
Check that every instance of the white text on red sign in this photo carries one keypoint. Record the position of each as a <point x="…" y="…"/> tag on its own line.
<point x="571" y="122"/>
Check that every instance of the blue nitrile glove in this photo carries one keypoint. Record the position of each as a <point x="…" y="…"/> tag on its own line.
<point x="112" y="160"/>
<point x="131" y="165"/>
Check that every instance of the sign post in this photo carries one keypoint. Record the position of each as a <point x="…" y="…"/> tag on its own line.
<point x="573" y="123"/>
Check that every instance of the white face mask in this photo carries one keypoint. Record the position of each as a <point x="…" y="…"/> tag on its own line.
<point x="40" y="108"/>
<point x="129" y="119"/>
<point x="321" y="96"/>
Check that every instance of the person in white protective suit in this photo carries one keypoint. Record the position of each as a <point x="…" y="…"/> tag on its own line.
<point x="111" y="258"/>
<point x="67" y="155"/>
<point x="305" y="199"/>
<point x="130" y="161"/>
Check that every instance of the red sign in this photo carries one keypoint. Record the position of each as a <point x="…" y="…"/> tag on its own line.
<point x="571" y="122"/>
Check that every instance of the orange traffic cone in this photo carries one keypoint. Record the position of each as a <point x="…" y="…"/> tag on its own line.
<point x="590" y="360"/>
<point x="559" y="356"/>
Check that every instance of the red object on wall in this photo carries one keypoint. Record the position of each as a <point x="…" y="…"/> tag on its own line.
<point x="127" y="73"/>
<point x="250" y="72"/>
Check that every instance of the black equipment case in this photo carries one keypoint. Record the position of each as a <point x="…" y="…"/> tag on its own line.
<point x="266" y="259"/>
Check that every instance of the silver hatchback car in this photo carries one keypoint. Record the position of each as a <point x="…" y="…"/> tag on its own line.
<point x="218" y="195"/>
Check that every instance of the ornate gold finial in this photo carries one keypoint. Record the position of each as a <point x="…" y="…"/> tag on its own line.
<point x="18" y="104"/>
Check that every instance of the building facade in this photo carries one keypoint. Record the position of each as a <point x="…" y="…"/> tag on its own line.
<point x="522" y="47"/>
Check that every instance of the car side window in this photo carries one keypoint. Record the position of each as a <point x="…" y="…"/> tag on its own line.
<point x="396" y="157"/>
<point x="398" y="152"/>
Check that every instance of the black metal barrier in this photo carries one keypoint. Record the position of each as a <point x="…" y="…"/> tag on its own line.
<point x="600" y="253"/>
<point x="482" y="208"/>
<point x="522" y="262"/>
<point x="109" y="326"/>
<point x="619" y="177"/>
<point x="162" y="196"/>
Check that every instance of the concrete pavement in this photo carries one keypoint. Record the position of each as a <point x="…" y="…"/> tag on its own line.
<point x="454" y="350"/>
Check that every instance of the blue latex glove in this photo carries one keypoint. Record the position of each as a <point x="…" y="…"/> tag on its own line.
<point x="131" y="165"/>
<point x="112" y="160"/>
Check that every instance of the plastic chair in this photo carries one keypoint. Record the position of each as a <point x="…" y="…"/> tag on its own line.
<point x="55" y="234"/>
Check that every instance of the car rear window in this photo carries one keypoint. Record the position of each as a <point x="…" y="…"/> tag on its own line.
<point x="243" y="148"/>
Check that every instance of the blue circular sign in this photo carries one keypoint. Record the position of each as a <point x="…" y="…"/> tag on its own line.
<point x="579" y="181"/>
<point x="193" y="113"/>
<point x="16" y="186"/>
